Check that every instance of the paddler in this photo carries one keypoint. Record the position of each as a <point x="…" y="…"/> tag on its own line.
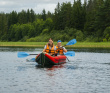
<point x="49" y="48"/>
<point x="59" y="48"/>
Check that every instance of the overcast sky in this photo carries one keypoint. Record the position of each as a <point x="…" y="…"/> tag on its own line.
<point x="8" y="6"/>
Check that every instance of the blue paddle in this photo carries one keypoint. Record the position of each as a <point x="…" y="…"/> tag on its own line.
<point x="24" y="54"/>
<point x="71" y="42"/>
<point x="70" y="53"/>
<point x="31" y="60"/>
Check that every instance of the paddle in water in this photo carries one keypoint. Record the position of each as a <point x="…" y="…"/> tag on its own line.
<point x="70" y="53"/>
<point x="31" y="60"/>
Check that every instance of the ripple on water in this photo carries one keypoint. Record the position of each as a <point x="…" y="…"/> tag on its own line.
<point x="87" y="72"/>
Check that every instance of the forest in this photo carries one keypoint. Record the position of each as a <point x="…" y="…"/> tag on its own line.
<point x="88" y="21"/>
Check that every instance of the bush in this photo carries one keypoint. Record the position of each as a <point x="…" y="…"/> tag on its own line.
<point x="45" y="31"/>
<point x="24" y="38"/>
<point x="40" y="38"/>
<point x="109" y="39"/>
<point x="58" y="35"/>
<point x="107" y="33"/>
<point x="30" y="40"/>
<point x="104" y="40"/>
<point x="79" y="35"/>
<point x="4" y="38"/>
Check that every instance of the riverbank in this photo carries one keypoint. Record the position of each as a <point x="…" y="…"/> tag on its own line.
<point x="42" y="44"/>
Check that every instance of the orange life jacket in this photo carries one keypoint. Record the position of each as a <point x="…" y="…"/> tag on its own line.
<point x="47" y="50"/>
<point x="58" y="50"/>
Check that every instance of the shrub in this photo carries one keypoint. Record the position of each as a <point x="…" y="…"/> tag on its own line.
<point x="30" y="40"/>
<point x="104" y="40"/>
<point x="107" y="33"/>
<point x="24" y="38"/>
<point x="109" y="39"/>
<point x="79" y="35"/>
<point x="45" y="31"/>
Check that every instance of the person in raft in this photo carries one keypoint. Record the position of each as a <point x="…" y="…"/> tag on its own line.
<point x="49" y="48"/>
<point x="59" y="49"/>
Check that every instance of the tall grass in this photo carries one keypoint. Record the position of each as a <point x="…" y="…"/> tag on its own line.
<point x="41" y="44"/>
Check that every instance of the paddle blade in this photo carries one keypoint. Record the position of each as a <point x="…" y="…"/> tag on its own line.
<point x="71" y="42"/>
<point x="22" y="54"/>
<point x="31" y="60"/>
<point x="69" y="53"/>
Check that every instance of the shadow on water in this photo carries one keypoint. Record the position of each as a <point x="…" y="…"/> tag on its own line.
<point x="106" y="63"/>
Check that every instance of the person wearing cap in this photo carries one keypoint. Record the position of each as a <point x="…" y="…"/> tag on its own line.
<point x="59" y="48"/>
<point x="49" y="48"/>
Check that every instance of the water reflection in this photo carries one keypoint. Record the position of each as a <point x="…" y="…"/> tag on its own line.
<point x="51" y="67"/>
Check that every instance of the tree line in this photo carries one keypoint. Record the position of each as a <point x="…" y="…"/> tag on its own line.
<point x="89" y="21"/>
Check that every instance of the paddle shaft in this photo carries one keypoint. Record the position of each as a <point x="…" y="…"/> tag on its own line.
<point x="33" y="54"/>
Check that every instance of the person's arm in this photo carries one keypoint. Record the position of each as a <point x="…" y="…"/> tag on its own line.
<point x="44" y="49"/>
<point x="64" y="49"/>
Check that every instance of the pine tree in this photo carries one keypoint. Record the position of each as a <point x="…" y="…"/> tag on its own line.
<point x="78" y="15"/>
<point x="43" y="15"/>
<point x="56" y="17"/>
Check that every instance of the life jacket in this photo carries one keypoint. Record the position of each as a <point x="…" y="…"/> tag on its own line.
<point x="58" y="50"/>
<point x="47" y="50"/>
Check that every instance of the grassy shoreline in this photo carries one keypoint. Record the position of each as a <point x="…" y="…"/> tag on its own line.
<point x="42" y="44"/>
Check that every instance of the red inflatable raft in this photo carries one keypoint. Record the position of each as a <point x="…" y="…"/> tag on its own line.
<point x="47" y="60"/>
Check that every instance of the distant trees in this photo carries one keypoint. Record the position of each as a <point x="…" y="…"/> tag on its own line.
<point x="107" y="34"/>
<point x="3" y="27"/>
<point x="43" y="15"/>
<point x="26" y="16"/>
<point x="89" y="21"/>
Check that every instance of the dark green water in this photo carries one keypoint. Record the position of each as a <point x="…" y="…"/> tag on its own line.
<point x="87" y="72"/>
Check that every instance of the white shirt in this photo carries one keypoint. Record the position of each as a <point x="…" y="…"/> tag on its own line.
<point x="54" y="47"/>
<point x="50" y="47"/>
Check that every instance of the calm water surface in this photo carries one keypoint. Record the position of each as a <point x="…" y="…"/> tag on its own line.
<point x="87" y="72"/>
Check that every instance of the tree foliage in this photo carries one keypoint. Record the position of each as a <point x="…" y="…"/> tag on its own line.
<point x="88" y="21"/>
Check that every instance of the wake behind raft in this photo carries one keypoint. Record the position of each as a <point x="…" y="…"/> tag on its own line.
<point x="47" y="60"/>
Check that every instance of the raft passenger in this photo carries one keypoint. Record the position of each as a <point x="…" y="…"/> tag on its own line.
<point x="49" y="48"/>
<point x="59" y="48"/>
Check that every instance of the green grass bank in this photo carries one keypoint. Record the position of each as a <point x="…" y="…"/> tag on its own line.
<point x="41" y="44"/>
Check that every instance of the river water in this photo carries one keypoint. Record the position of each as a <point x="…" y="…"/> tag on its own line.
<point x="87" y="72"/>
